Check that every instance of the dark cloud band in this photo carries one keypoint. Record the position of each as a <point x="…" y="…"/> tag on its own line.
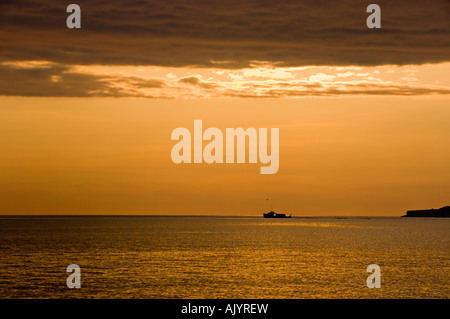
<point x="229" y="33"/>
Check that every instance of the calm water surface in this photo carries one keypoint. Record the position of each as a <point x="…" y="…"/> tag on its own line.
<point x="224" y="257"/>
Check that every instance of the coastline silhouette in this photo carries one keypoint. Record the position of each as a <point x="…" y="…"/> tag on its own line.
<point x="441" y="212"/>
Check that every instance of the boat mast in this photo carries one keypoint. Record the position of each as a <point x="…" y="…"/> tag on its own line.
<point x="271" y="204"/>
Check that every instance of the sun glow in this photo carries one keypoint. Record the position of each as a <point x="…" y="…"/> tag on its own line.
<point x="260" y="80"/>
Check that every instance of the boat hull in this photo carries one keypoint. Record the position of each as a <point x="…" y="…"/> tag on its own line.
<point x="275" y="215"/>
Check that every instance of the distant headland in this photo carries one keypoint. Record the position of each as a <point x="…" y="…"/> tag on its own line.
<point x="441" y="212"/>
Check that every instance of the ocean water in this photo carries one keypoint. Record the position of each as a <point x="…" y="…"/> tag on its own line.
<point x="224" y="257"/>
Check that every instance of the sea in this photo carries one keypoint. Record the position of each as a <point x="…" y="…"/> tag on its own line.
<point x="229" y="257"/>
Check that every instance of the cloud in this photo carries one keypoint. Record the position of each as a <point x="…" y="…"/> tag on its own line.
<point x="193" y="80"/>
<point x="319" y="77"/>
<point x="50" y="79"/>
<point x="44" y="79"/>
<point x="225" y="34"/>
<point x="190" y="80"/>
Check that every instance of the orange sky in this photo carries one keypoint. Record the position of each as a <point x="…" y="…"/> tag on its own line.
<point x="338" y="156"/>
<point x="86" y="114"/>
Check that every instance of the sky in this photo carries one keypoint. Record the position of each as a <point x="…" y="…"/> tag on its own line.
<point x="86" y="115"/>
